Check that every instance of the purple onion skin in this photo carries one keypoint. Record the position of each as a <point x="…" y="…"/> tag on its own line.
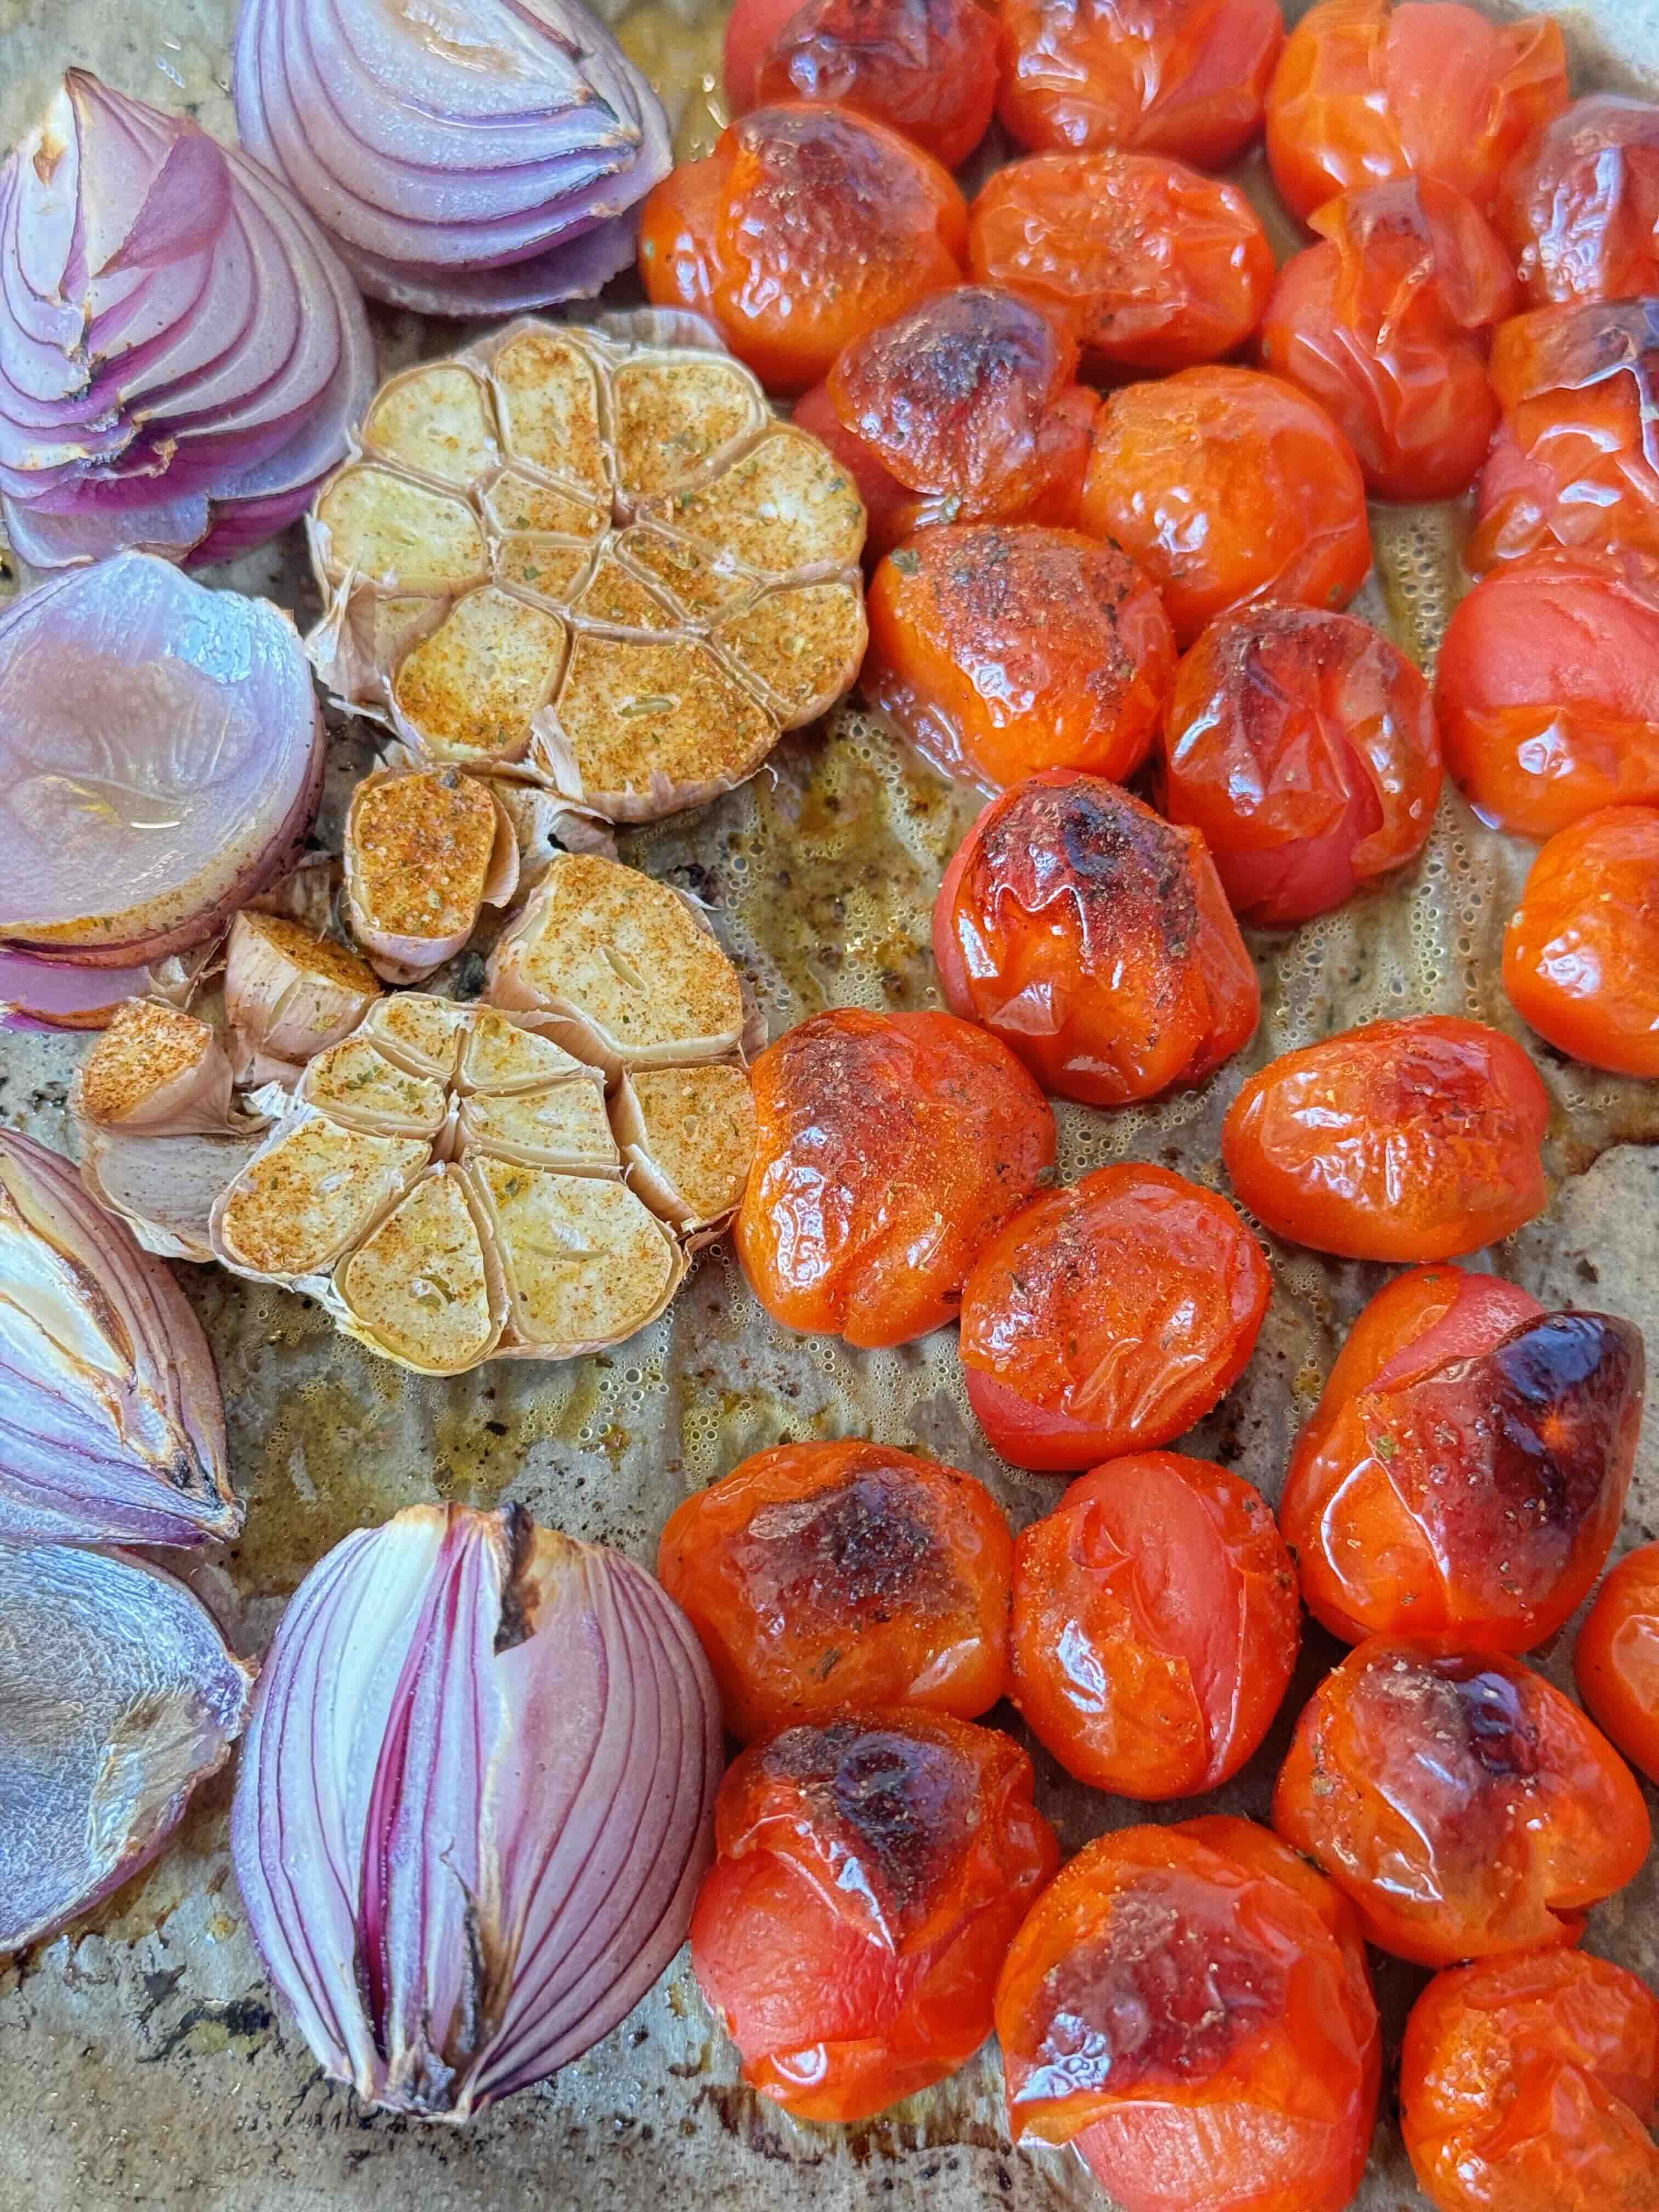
<point x="474" y="1804"/>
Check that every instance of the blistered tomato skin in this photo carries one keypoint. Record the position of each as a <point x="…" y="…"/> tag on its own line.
<point x="1364" y="92"/>
<point x="871" y="1872"/>
<point x="1109" y="1317"/>
<point x="889" y="1150"/>
<point x="1229" y="487"/>
<point x="1191" y="2007"/>
<point x="1304" y="747"/>
<point x="1092" y="937"/>
<point x="1581" y="954"/>
<point x="825" y="1574"/>
<point x="1405" y="1140"/>
<point x="1582" y="214"/>
<point x="1529" y="2084"/>
<point x="1465" y="1806"/>
<point x="1616" y="1658"/>
<point x="1465" y="1471"/>
<point x="1001" y="651"/>
<point x="1150" y="265"/>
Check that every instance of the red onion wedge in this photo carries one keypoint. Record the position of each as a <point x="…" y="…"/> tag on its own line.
<point x="116" y="1697"/>
<point x="467" y="157"/>
<point x="474" y="1804"/>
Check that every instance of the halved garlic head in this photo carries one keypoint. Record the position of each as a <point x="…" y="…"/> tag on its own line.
<point x="289" y="992"/>
<point x="155" y="1069"/>
<point x="425" y="852"/>
<point x="599" y="562"/>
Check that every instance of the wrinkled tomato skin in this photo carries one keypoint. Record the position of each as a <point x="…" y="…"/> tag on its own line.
<point x="1364" y="93"/>
<point x="1092" y="937"/>
<point x="1466" y="1470"/>
<point x="1547" y="690"/>
<point x="1155" y="1625"/>
<point x="822" y="1575"/>
<point x="1464" y="1806"/>
<point x="1581" y="954"/>
<point x="1109" y="1317"/>
<point x="889" y="1150"/>
<point x="1229" y="487"/>
<point x="870" y="1871"/>
<point x="1235" y="2063"/>
<point x="1582" y="215"/>
<point x="1150" y="265"/>
<point x="1002" y="650"/>
<point x="1186" y="78"/>
<point x="1304" y="747"/>
<point x="805" y="227"/>
<point x="1403" y="1140"/>
<point x="1616" y="1658"/>
<point x="1528" y="2084"/>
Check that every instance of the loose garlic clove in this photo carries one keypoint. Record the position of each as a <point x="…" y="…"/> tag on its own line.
<point x="158" y="1071"/>
<point x="425" y="851"/>
<point x="289" y="994"/>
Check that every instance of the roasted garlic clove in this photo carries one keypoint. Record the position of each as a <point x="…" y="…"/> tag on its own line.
<point x="288" y="993"/>
<point x="311" y="1193"/>
<point x="157" y="1070"/>
<point x="586" y="1263"/>
<point x="425" y="852"/>
<point x="422" y="1287"/>
<point x="688" y="1137"/>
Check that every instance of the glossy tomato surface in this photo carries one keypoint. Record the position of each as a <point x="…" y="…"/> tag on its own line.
<point x="889" y="1150"/>
<point x="1229" y="487"/>
<point x="1093" y="938"/>
<point x="1529" y="2084"/>
<point x="1466" y="1470"/>
<point x="1003" y="650"/>
<point x="1191" y="2007"/>
<point x="1464" y="1805"/>
<point x="1151" y="264"/>
<point x="1155" y="1625"/>
<point x="1304" y="747"/>
<point x="1581" y="954"/>
<point x="1582" y="215"/>
<point x="1616" y="1658"/>
<point x="822" y="1575"/>
<point x="870" y="1873"/>
<point x="1403" y="1140"/>
<point x="1109" y="1317"/>
<point x="804" y="228"/>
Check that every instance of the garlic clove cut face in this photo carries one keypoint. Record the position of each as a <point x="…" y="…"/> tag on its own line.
<point x="586" y="1264"/>
<point x="156" y="1069"/>
<point x="564" y="1128"/>
<point x="424" y="853"/>
<point x="356" y="1084"/>
<point x="422" y="1288"/>
<point x="310" y="1194"/>
<point x="688" y="1137"/>
<point x="288" y="993"/>
<point x="471" y="691"/>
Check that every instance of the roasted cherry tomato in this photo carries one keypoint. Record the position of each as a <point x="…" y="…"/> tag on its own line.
<point x="1109" y="1317"/>
<point x="1185" y="77"/>
<point x="1583" y="215"/>
<point x="1093" y="938"/>
<point x="871" y="1872"/>
<point x="1228" y="487"/>
<point x="1155" y="1625"/>
<point x="1414" y="1139"/>
<point x="1304" y="747"/>
<point x="805" y="227"/>
<point x="1153" y="265"/>
<point x="1364" y="93"/>
<point x="1581" y="954"/>
<point x="1388" y="323"/>
<point x="889" y="1150"/>
<point x="1547" y="690"/>
<point x="1466" y="1470"/>
<point x="1616" y="1658"/>
<point x="850" y="1573"/>
<point x="999" y="650"/>
<point x="1191" y="2007"/>
<point x="926" y="68"/>
<point x="1465" y="1806"/>
<point x="1528" y="2084"/>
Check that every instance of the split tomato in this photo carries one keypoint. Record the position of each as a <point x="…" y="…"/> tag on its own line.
<point x="1616" y="1659"/>
<point x="1582" y="215"/>
<point x="1581" y="954"/>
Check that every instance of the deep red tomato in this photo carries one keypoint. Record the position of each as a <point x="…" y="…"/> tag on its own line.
<point x="889" y="1150"/>
<point x="1582" y="215"/>
<point x="1465" y="1806"/>
<point x="805" y="227"/>
<point x="1581" y="954"/>
<point x="1151" y="264"/>
<point x="1414" y="1139"/>
<point x="1109" y="1317"/>
<point x="825" y="1574"/>
<point x="1364" y="93"/>
<point x="1528" y="2084"/>
<point x="1388" y="323"/>
<point x="1093" y="938"/>
<point x="1466" y="1470"/>
<point x="871" y="1872"/>
<point x="1304" y="747"/>
<point x="999" y="650"/>
<point x="1229" y="487"/>
<point x="1191" y="2007"/>
<point x="1616" y="1658"/>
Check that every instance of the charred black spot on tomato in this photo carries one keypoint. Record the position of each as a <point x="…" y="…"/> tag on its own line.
<point x="1499" y="1736"/>
<point x="951" y="360"/>
<point x="1571" y="1388"/>
<point x="1465" y="1726"/>
<point x="860" y="1550"/>
<point x="1128" y="871"/>
<point x="894" y="1805"/>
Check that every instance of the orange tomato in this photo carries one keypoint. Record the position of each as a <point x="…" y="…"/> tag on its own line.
<point x="1616" y="1658"/>
<point x="1582" y="215"/>
<point x="870" y="1873"/>
<point x="1414" y="1139"/>
<point x="1581" y="954"/>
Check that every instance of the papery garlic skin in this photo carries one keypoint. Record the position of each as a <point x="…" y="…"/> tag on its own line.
<point x="289" y="992"/>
